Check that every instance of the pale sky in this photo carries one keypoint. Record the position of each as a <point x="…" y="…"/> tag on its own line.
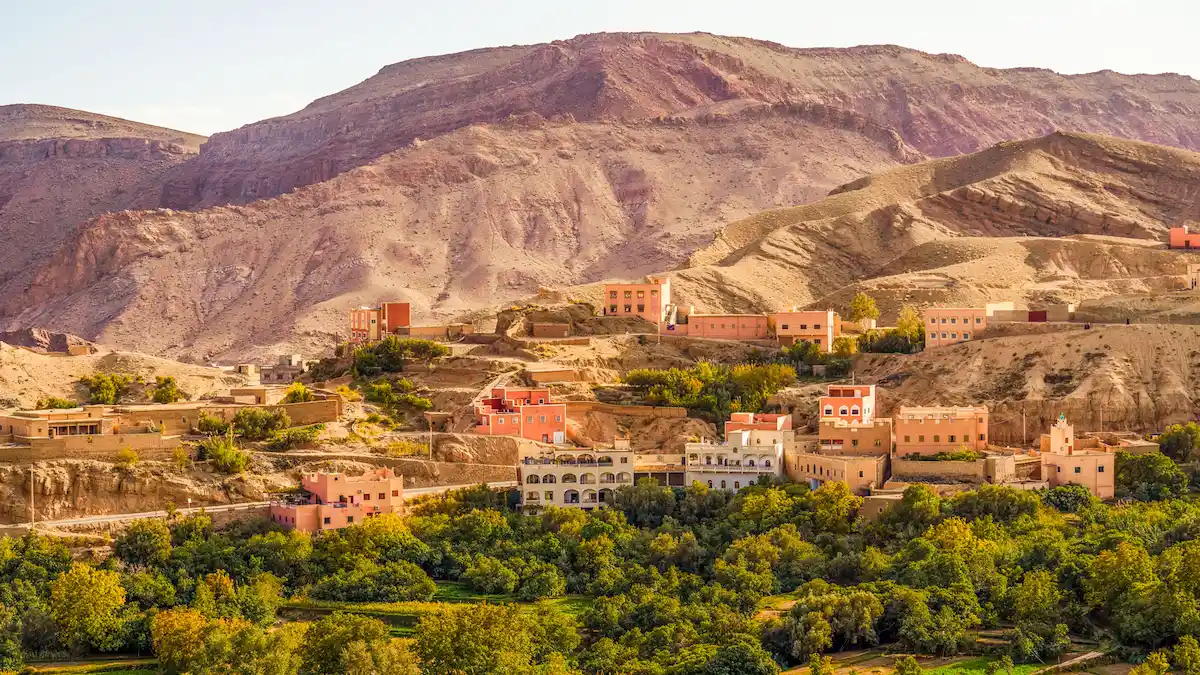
<point x="212" y="65"/>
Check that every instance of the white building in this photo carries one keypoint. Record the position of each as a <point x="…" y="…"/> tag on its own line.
<point x="746" y="455"/>
<point x="573" y="477"/>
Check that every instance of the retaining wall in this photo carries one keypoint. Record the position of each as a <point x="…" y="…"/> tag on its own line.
<point x="974" y="472"/>
<point x="579" y="408"/>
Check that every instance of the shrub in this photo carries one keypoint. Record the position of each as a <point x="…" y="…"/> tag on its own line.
<point x="387" y="355"/>
<point x="166" y="390"/>
<point x="54" y="403"/>
<point x="298" y="393"/>
<point x="107" y="388"/>
<point x="1067" y="498"/>
<point x="404" y="448"/>
<point x="488" y="575"/>
<point x="223" y="455"/>
<point x="348" y="393"/>
<point x="397" y="581"/>
<point x="845" y="346"/>
<point x="960" y="455"/>
<point x="182" y="459"/>
<point x="127" y="458"/>
<point x="885" y="342"/>
<point x="256" y="424"/>
<point x="291" y="438"/>
<point x="212" y="426"/>
<point x="1149" y="477"/>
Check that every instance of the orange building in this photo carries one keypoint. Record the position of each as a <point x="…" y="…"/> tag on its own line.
<point x="748" y="421"/>
<point x="850" y="402"/>
<point x="951" y="325"/>
<point x="1183" y="237"/>
<point x="368" y="324"/>
<point x="819" y="328"/>
<point x="1063" y="463"/>
<point x="522" y="411"/>
<point x="930" y="430"/>
<point x="860" y="473"/>
<point x="334" y="500"/>
<point x="729" y="326"/>
<point x="849" y="437"/>
<point x="649" y="300"/>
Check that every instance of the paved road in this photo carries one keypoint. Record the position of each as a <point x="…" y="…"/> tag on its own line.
<point x="409" y="493"/>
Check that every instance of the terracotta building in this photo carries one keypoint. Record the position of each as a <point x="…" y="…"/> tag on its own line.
<point x="522" y="411"/>
<point x="817" y="327"/>
<point x="930" y="430"/>
<point x="368" y="324"/>
<point x="330" y="501"/>
<point x="1182" y="237"/>
<point x="850" y="437"/>
<point x="850" y="402"/>
<point x="1063" y="463"/>
<point x="729" y="326"/>
<point x="951" y="325"/>
<point x="649" y="300"/>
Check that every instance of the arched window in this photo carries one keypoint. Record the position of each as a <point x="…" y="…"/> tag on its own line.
<point x="624" y="477"/>
<point x="737" y="485"/>
<point x="710" y="483"/>
<point x="843" y="410"/>
<point x="570" y="497"/>
<point x="854" y="410"/>
<point x="589" y="496"/>
<point x="549" y="479"/>
<point x="828" y="410"/>
<point x="750" y="462"/>
<point x="587" y="478"/>
<point x="608" y="478"/>
<point x="722" y="485"/>
<point x="767" y="463"/>
<point x="606" y="496"/>
<point x="569" y="478"/>
<point x="604" y="460"/>
<point x="532" y="480"/>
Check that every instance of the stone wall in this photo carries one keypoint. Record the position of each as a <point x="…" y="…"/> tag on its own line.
<point x="581" y="408"/>
<point x="99" y="446"/>
<point x="906" y="469"/>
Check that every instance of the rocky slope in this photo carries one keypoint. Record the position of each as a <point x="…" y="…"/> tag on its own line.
<point x="60" y="167"/>
<point x="940" y="104"/>
<point x="929" y="232"/>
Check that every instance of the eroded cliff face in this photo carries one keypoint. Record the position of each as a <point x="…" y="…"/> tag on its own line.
<point x="941" y="105"/>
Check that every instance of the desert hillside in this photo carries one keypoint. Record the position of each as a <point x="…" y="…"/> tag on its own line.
<point x="455" y="223"/>
<point x="940" y="104"/>
<point x="943" y="231"/>
<point x="60" y="167"/>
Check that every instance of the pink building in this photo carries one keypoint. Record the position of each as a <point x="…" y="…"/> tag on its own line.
<point x="335" y="500"/>
<point x="368" y="324"/>
<point x="1183" y="237"/>
<point x="1063" y="463"/>
<point x="951" y="325"/>
<point x="850" y="402"/>
<point x="745" y="421"/>
<point x="729" y="326"/>
<point x="649" y="300"/>
<point x="522" y="411"/>
<point x="930" y="430"/>
<point x="819" y="328"/>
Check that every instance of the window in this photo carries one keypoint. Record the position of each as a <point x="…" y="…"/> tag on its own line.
<point x="349" y="519"/>
<point x="937" y="438"/>
<point x="966" y="336"/>
<point x="612" y="309"/>
<point x="1058" y="469"/>
<point x="828" y="410"/>
<point x="541" y="418"/>
<point x="327" y="520"/>
<point x="817" y="341"/>
<point x="953" y="320"/>
<point x="1078" y="470"/>
<point x="951" y="438"/>
<point x="500" y="420"/>
<point x="722" y="485"/>
<point x="529" y="419"/>
<point x="843" y="410"/>
<point x="629" y="294"/>
<point x="641" y="294"/>
<point x="921" y="438"/>
<point x="367" y="497"/>
<point x="816" y="326"/>
<point x="653" y="293"/>
<point x="558" y="418"/>
<point x="943" y="336"/>
<point x="737" y="484"/>
<point x="710" y="483"/>
<point x="642" y="308"/>
<point x="549" y="496"/>
<point x="395" y="493"/>
<point x="854" y="443"/>
<point x="978" y="320"/>
<point x="1100" y="469"/>
<point x="624" y="460"/>
<point x="954" y="336"/>
<point x="860" y="475"/>
<point x="612" y="294"/>
<point x="784" y="326"/>
<point x="877" y="443"/>
<point x="933" y="321"/>
<point x="908" y="439"/>
<point x="982" y="437"/>
<point x="628" y="308"/>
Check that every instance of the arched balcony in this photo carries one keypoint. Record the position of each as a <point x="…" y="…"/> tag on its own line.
<point x="587" y="478"/>
<point x="569" y="478"/>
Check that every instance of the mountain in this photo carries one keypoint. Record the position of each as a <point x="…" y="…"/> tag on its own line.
<point x="1061" y="218"/>
<point x="60" y="167"/>
<point x="459" y="182"/>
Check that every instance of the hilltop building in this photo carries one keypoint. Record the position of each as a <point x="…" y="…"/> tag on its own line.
<point x="1182" y="237"/>
<point x="951" y="325"/>
<point x="368" y="324"/>
<point x="1064" y="463"/>
<point x="330" y="501"/>
<point x="726" y="326"/>
<point x="649" y="300"/>
<point x="849" y="402"/>
<point x="818" y="327"/>
<point x="753" y="448"/>
<point x="573" y="477"/>
<point x="527" y="412"/>
<point x="934" y="429"/>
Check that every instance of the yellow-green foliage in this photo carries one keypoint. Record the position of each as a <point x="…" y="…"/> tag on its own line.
<point x="298" y="393"/>
<point x="715" y="388"/>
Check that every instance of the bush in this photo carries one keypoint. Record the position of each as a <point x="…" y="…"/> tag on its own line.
<point x="488" y="575"/>
<point x="348" y="393"/>
<point x="298" y="393"/>
<point x="223" y="455"/>
<point x="256" y="424"/>
<point x="387" y="355"/>
<point x="541" y="580"/>
<point x="405" y="448"/>
<point x="714" y="388"/>
<point x="166" y="390"/>
<point x="1149" y="477"/>
<point x="291" y="438"/>
<point x="960" y="455"/>
<point x="107" y="388"/>
<point x="127" y="458"/>
<point x="1067" y="498"/>
<point x="886" y="342"/>
<point x="212" y="426"/>
<point x="54" y="403"/>
<point x="397" y="581"/>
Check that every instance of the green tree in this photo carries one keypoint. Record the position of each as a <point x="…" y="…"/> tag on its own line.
<point x="1068" y="498"/>
<point x="909" y="324"/>
<point x="488" y="575"/>
<point x="1155" y="664"/>
<point x="740" y="659"/>
<point x="1181" y="442"/>
<point x="474" y="640"/>
<point x="327" y="650"/>
<point x="908" y="666"/>
<point x="178" y="638"/>
<point x="166" y="390"/>
<point x="86" y="604"/>
<point x="1149" y="477"/>
<point x="54" y="403"/>
<point x="1039" y="634"/>
<point x="223" y="454"/>
<point x="146" y="542"/>
<point x="1187" y="655"/>
<point x="256" y="424"/>
<point x="107" y="388"/>
<point x="821" y="665"/>
<point x="863" y="307"/>
<point x="645" y="504"/>
<point x="845" y="346"/>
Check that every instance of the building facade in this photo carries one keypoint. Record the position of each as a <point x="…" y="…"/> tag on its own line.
<point x="849" y="402"/>
<point x="729" y="326"/>
<point x="934" y="429"/>
<point x="951" y="325"/>
<point x="331" y="501"/>
<point x="819" y="328"/>
<point x="753" y="448"/>
<point x="649" y="300"/>
<point x="1181" y="237"/>
<point x="368" y="324"/>
<point x="850" y="437"/>
<point x="861" y="473"/>
<point x="574" y="477"/>
<point x="527" y="412"/>
<point x="1063" y="463"/>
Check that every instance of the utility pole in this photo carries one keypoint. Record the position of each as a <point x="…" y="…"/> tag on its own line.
<point x="431" y="441"/>
<point x="32" y="511"/>
<point x="1024" y="436"/>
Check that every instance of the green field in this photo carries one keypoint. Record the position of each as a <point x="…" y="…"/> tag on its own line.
<point x="978" y="666"/>
<point x="116" y="666"/>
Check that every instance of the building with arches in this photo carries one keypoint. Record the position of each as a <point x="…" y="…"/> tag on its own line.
<point x="753" y="448"/>
<point x="583" y="478"/>
<point x="849" y="402"/>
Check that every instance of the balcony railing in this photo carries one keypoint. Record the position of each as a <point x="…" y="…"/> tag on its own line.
<point x="550" y="462"/>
